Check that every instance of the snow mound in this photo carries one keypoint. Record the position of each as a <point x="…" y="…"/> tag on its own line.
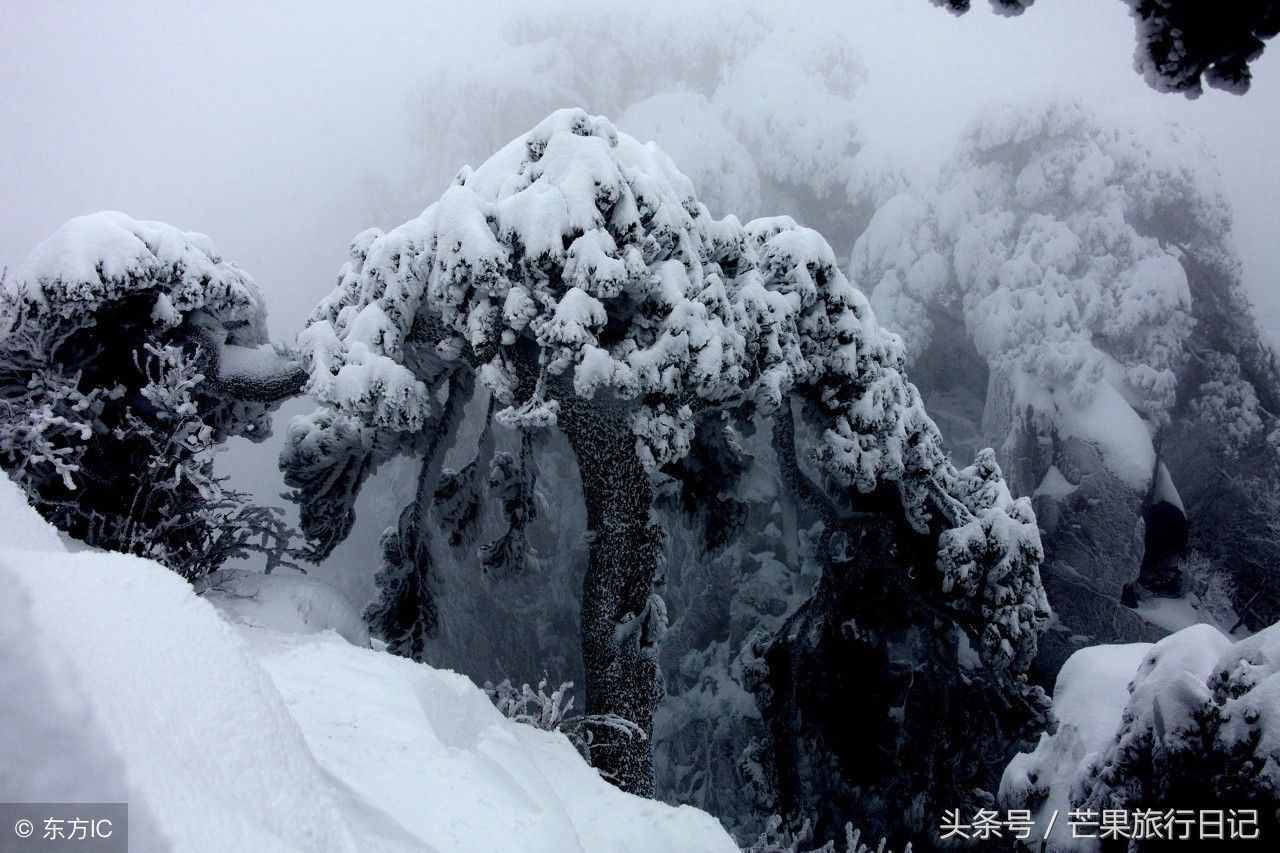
<point x="180" y="698"/>
<point x="24" y="529"/>
<point x="280" y="742"/>
<point x="52" y="746"/>
<point x="285" y="602"/>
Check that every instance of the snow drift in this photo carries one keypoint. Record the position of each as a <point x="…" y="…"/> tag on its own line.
<point x="230" y="737"/>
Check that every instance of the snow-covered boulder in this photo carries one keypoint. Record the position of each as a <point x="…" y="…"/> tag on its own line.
<point x="1088" y="701"/>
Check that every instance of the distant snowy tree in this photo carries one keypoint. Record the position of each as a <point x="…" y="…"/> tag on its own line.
<point x="576" y="274"/>
<point x="128" y="350"/>
<point x="1070" y="294"/>
<point x="1045" y="245"/>
<point x="1184" y="43"/>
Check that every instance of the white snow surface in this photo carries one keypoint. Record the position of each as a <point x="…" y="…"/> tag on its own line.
<point x="1171" y="614"/>
<point x="285" y="601"/>
<point x="1089" y="697"/>
<point x="53" y="747"/>
<point x="1166" y="491"/>
<point x="23" y="527"/>
<point x="237" y="737"/>
<point x="260" y="362"/>
<point x="1054" y="484"/>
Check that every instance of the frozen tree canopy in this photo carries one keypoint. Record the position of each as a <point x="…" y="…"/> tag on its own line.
<point x="128" y="350"/>
<point x="1040" y="240"/>
<point x="578" y="276"/>
<point x="588" y="244"/>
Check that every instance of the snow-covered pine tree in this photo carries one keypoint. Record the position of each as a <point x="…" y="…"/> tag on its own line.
<point x="577" y="275"/>
<point x="128" y="350"/>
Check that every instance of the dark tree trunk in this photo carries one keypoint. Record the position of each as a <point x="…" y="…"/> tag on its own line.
<point x="621" y="622"/>
<point x="405" y="614"/>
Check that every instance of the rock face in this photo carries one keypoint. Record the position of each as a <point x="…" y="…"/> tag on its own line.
<point x="1091" y="523"/>
<point x="1093" y="546"/>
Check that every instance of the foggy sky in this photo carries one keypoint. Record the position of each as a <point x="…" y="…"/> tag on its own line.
<point x="275" y="128"/>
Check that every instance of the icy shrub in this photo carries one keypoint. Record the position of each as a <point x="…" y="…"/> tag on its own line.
<point x="776" y="839"/>
<point x="128" y="351"/>
<point x="551" y="712"/>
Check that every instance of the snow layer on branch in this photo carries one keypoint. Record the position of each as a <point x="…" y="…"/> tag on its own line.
<point x="1057" y="238"/>
<point x="284" y="742"/>
<point x="104" y="257"/>
<point x="581" y="242"/>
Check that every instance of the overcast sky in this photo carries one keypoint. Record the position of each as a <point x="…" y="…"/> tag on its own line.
<point x="273" y="127"/>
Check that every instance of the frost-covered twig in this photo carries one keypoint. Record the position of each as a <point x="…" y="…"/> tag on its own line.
<point x="777" y="839"/>
<point x="551" y="712"/>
